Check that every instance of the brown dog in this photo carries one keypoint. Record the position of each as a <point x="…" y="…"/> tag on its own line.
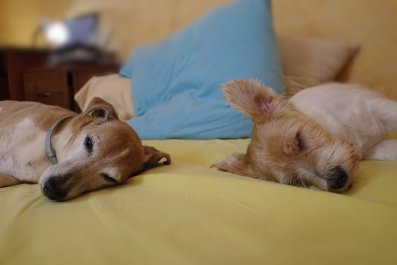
<point x="317" y="137"/>
<point x="68" y="153"/>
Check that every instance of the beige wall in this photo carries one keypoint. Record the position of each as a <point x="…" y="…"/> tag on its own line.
<point x="131" y="22"/>
<point x="373" y="24"/>
<point x="19" y="18"/>
<point x="135" y="22"/>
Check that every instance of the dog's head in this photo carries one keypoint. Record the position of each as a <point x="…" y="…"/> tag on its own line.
<point x="95" y="150"/>
<point x="286" y="145"/>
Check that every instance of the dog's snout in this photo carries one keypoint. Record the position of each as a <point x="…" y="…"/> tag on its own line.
<point x="52" y="189"/>
<point x="337" y="178"/>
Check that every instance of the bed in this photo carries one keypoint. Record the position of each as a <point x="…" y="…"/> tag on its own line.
<point x="187" y="213"/>
<point x="190" y="213"/>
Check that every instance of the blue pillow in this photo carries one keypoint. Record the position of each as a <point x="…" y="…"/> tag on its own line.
<point x="176" y="83"/>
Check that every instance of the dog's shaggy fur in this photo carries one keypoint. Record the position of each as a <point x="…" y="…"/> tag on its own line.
<point x="317" y="137"/>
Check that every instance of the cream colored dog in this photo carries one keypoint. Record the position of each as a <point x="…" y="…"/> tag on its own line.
<point x="315" y="138"/>
<point x="84" y="152"/>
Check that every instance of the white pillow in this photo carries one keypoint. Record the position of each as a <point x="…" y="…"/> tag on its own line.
<point x="112" y="88"/>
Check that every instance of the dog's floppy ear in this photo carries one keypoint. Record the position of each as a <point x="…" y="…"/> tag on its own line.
<point x="100" y="110"/>
<point x="235" y="164"/>
<point x="253" y="99"/>
<point x="153" y="158"/>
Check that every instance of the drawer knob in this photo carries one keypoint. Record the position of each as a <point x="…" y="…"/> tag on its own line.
<point x="43" y="94"/>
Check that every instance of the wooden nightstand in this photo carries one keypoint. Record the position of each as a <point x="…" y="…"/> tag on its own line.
<point x="25" y="75"/>
<point x="13" y="63"/>
<point x="57" y="85"/>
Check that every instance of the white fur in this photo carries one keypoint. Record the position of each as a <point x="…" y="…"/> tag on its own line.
<point x="28" y="164"/>
<point x="385" y="150"/>
<point x="354" y="114"/>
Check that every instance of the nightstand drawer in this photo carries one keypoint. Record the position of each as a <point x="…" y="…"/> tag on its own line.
<point x="48" y="87"/>
<point x="56" y="85"/>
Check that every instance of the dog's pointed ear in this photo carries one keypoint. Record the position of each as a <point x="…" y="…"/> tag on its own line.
<point x="253" y="99"/>
<point x="100" y="110"/>
<point x="235" y="164"/>
<point x="154" y="157"/>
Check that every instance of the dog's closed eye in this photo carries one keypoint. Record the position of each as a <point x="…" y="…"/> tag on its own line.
<point x="300" y="143"/>
<point x="88" y="144"/>
<point x="108" y="178"/>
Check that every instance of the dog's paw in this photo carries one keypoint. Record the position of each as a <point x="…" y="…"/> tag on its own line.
<point x="221" y="166"/>
<point x="234" y="164"/>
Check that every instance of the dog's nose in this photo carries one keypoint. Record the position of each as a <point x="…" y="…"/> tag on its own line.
<point x="337" y="178"/>
<point x="52" y="190"/>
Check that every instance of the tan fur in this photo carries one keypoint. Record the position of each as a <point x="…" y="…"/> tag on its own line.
<point x="315" y="138"/>
<point x="117" y="150"/>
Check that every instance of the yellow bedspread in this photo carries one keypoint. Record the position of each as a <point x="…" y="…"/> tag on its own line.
<point x="187" y="213"/>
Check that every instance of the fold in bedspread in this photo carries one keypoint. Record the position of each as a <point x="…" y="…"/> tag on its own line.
<point x="187" y="213"/>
